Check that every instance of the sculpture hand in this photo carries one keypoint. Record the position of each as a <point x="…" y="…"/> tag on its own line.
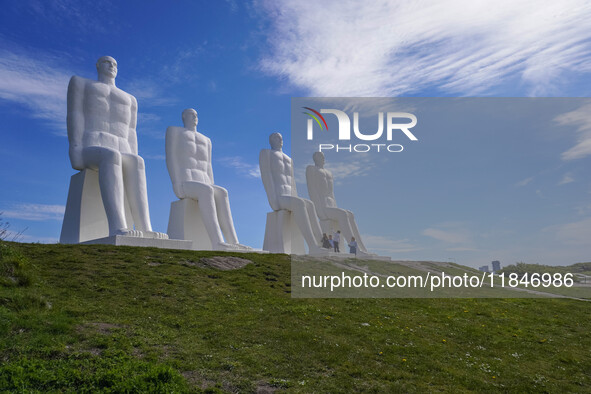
<point x="76" y="159"/>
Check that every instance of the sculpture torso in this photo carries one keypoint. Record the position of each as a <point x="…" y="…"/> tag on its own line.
<point x="324" y="184"/>
<point x="108" y="116"/>
<point x="192" y="155"/>
<point x="281" y="172"/>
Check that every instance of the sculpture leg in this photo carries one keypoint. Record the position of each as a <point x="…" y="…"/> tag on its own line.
<point x="204" y="194"/>
<point x="108" y="163"/>
<point x="134" y="173"/>
<point x="299" y="210"/>
<point x="314" y="222"/>
<point x="356" y="234"/>
<point x="224" y="214"/>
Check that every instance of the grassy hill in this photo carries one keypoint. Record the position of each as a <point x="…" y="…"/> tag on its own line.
<point x="123" y="319"/>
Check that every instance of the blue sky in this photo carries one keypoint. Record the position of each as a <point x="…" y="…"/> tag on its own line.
<point x="240" y="63"/>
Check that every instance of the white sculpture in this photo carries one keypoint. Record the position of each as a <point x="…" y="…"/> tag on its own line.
<point x="203" y="204"/>
<point x="101" y="125"/>
<point x="277" y="175"/>
<point x="321" y="191"/>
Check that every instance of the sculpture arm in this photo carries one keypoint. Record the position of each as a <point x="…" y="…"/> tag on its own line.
<point x="75" y="121"/>
<point x="209" y="159"/>
<point x="171" y="163"/>
<point x="294" y="190"/>
<point x="267" y="178"/>
<point x="313" y="190"/>
<point x="132" y="134"/>
<point x="311" y="183"/>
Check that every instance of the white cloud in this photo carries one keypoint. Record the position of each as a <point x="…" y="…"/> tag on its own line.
<point x="445" y="235"/>
<point x="241" y="167"/>
<point x="154" y="157"/>
<point x="389" y="48"/>
<point x="352" y="168"/>
<point x="379" y="243"/>
<point x="37" y="83"/>
<point x="451" y="232"/>
<point x="581" y="119"/>
<point x="576" y="233"/>
<point x="34" y="212"/>
<point x="567" y="178"/>
<point x="525" y="182"/>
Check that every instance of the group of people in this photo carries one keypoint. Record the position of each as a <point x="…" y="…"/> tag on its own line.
<point x="333" y="241"/>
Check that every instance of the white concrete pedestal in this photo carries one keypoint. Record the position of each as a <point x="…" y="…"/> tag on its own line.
<point x="85" y="218"/>
<point x="185" y="222"/>
<point x="282" y="234"/>
<point x="140" y="241"/>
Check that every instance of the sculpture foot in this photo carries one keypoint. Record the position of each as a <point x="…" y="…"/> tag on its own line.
<point x="129" y="233"/>
<point x="155" y="235"/>
<point x="242" y="247"/>
<point x="224" y="246"/>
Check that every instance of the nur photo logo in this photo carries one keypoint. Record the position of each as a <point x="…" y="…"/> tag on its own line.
<point x="395" y="122"/>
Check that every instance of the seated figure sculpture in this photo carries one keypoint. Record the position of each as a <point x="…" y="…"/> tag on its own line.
<point x="188" y="158"/>
<point x="277" y="175"/>
<point x="101" y="123"/>
<point x="321" y="191"/>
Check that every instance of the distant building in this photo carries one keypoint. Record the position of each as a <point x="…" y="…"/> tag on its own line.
<point x="496" y="265"/>
<point x="484" y="268"/>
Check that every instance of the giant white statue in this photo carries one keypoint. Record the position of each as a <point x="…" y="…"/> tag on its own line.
<point x="203" y="212"/>
<point x="101" y="124"/>
<point x="321" y="191"/>
<point x="277" y="175"/>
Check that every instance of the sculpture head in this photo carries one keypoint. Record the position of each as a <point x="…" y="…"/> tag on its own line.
<point x="190" y="118"/>
<point x="276" y="141"/>
<point x="106" y="66"/>
<point x="318" y="158"/>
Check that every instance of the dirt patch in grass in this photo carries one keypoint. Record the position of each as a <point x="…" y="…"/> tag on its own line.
<point x="222" y="263"/>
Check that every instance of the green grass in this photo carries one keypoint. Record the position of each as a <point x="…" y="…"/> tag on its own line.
<point x="123" y="319"/>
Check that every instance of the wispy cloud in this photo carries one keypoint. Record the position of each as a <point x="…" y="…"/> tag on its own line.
<point x="567" y="178"/>
<point x="80" y="15"/>
<point x="452" y="232"/>
<point x="37" y="83"/>
<point x="575" y="233"/>
<point x="445" y="235"/>
<point x="154" y="157"/>
<point x="389" y="48"/>
<point x="525" y="181"/>
<point x="581" y="120"/>
<point x="379" y="243"/>
<point x="353" y="168"/>
<point x="149" y="92"/>
<point x="34" y="212"/>
<point x="241" y="167"/>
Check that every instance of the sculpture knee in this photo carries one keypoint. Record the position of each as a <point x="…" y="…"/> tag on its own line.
<point x="199" y="191"/>
<point x="135" y="161"/>
<point x="110" y="157"/>
<point x="299" y="205"/>
<point x="220" y="191"/>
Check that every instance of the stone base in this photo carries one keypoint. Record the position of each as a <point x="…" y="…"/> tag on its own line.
<point x="85" y="218"/>
<point x="282" y="234"/>
<point x="185" y="222"/>
<point x="123" y="240"/>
